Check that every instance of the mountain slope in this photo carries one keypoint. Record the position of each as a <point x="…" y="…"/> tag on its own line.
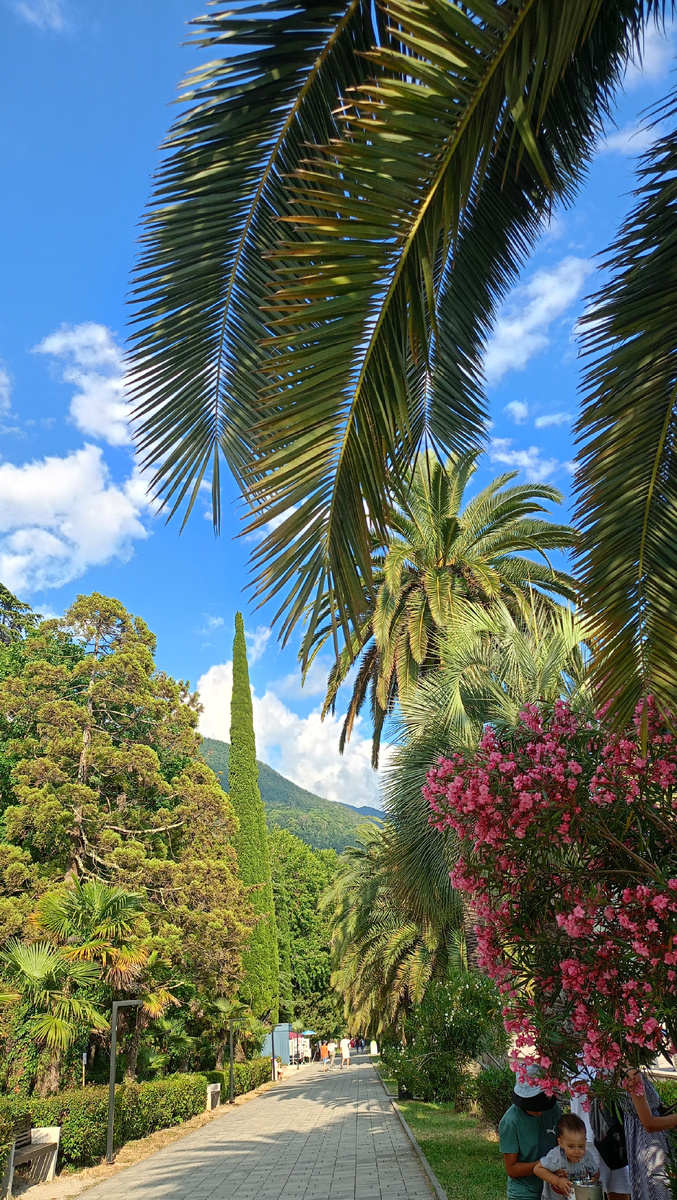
<point x="323" y="824"/>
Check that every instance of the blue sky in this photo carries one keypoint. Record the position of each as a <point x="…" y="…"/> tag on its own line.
<point x="85" y="98"/>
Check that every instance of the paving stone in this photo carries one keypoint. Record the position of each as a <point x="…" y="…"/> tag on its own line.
<point x="317" y="1136"/>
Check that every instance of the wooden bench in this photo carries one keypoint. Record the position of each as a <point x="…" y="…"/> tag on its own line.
<point x="37" y="1146"/>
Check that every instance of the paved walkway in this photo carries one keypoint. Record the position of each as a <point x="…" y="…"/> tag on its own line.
<point x="315" y="1136"/>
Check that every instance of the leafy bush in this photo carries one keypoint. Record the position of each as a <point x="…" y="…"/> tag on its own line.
<point x="493" y="1092"/>
<point x="246" y="1076"/>
<point x="667" y="1090"/>
<point x="145" y="1107"/>
<point x="457" y="1022"/>
<point x="6" y="1139"/>
<point x="140" y="1109"/>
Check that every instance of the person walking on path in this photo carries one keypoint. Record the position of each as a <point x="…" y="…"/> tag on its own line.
<point x="646" y="1139"/>
<point x="332" y="1054"/>
<point x="324" y="1055"/>
<point x="526" y="1134"/>
<point x="345" y="1052"/>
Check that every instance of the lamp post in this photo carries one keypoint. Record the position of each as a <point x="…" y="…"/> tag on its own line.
<point x="232" y="1021"/>
<point x="111" y="1080"/>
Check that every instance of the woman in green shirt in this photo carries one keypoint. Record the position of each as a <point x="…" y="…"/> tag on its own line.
<point x="526" y="1134"/>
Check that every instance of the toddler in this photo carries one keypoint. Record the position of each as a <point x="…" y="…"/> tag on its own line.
<point x="571" y="1160"/>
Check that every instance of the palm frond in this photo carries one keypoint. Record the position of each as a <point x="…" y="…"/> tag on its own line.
<point x="280" y="73"/>
<point x="478" y="111"/>
<point x="627" y="479"/>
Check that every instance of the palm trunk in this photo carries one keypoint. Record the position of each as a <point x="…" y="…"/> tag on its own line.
<point x="133" y="1054"/>
<point x="469" y="934"/>
<point x="48" y="1081"/>
<point x="221" y="1051"/>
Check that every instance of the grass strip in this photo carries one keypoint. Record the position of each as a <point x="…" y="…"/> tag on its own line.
<point x="465" y="1159"/>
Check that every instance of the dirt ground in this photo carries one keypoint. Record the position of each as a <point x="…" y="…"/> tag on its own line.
<point x="72" y="1183"/>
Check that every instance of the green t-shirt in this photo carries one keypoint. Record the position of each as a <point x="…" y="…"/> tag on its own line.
<point x="530" y="1138"/>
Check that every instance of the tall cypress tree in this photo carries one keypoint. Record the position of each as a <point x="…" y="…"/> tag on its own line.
<point x="260" y="986"/>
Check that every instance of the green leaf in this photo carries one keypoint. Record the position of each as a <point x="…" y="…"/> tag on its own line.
<point x="202" y="277"/>
<point x="627" y="481"/>
<point x="422" y="216"/>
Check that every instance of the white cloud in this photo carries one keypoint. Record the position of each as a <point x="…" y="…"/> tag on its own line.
<point x="536" y="468"/>
<point x="521" y="331"/>
<point x="44" y="14"/>
<point x="5" y="391"/>
<point x="557" y="418"/>
<point x="631" y="139"/>
<point x="315" y="683"/>
<point x="257" y="642"/>
<point x="59" y="516"/>
<point x="99" y="408"/>
<point x="656" y="55"/>
<point x="518" y="410"/>
<point x="213" y="622"/>
<point x="304" y="749"/>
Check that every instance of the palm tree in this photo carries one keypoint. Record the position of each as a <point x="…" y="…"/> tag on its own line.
<point x="491" y="665"/>
<point x="439" y="555"/>
<point x="155" y="988"/>
<point x="54" y="990"/>
<point x="384" y="954"/>
<point x="342" y="206"/>
<point x="396" y="921"/>
<point x="217" y="1013"/>
<point x="95" y="922"/>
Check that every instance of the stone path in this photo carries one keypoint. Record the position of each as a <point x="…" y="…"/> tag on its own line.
<point x="315" y="1136"/>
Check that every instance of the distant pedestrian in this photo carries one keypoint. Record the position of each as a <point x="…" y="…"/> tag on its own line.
<point x="324" y="1055"/>
<point x="345" y="1052"/>
<point x="331" y="1047"/>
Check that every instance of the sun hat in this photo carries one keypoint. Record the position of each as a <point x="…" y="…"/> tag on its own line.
<point x="529" y="1095"/>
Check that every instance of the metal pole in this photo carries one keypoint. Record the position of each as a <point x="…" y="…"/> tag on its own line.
<point x="232" y="1082"/>
<point x="111" y="1078"/>
<point x="272" y="1047"/>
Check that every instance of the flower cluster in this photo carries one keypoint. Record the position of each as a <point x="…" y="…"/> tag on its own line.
<point x="568" y="851"/>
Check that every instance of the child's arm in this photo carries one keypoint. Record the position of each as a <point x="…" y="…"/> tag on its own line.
<point x="560" y="1181"/>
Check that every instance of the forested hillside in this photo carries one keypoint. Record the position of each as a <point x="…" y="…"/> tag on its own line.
<point x="322" y="824"/>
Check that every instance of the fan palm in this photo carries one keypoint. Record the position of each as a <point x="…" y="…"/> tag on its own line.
<point x="344" y="203"/>
<point x="54" y="989"/>
<point x="95" y="922"/>
<point x="439" y="553"/>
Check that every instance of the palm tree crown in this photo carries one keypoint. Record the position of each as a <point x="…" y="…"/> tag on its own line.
<point x="442" y="554"/>
<point x="95" y="922"/>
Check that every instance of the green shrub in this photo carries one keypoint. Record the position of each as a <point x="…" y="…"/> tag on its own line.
<point x="145" y="1107"/>
<point x="140" y="1109"/>
<point x="458" y="1021"/>
<point x="667" y="1090"/>
<point x="493" y="1092"/>
<point x="6" y="1139"/>
<point x="246" y="1076"/>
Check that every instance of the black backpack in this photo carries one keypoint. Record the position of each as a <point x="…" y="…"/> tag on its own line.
<point x="606" y="1120"/>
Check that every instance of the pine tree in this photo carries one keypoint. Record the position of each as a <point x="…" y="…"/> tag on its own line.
<point x="260" y="985"/>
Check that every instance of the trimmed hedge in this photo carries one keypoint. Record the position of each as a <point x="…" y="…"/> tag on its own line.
<point x="493" y="1092"/>
<point x="246" y="1076"/>
<point x="140" y="1109"/>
